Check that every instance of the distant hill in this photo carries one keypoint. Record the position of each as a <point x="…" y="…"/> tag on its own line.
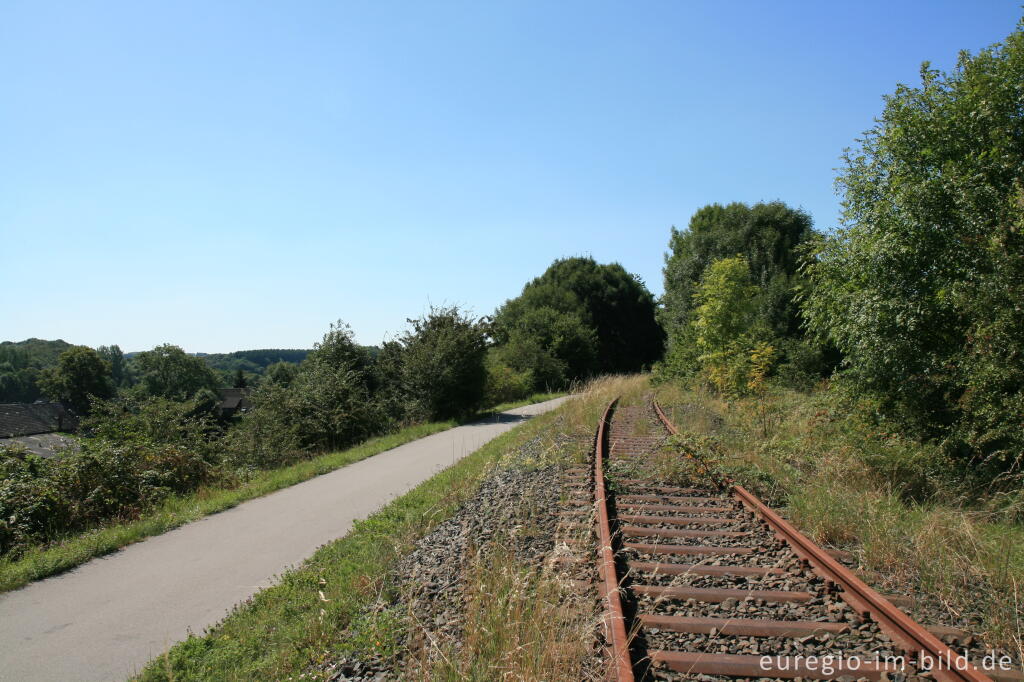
<point x="253" y="361"/>
<point x="37" y="353"/>
<point x="20" y="363"/>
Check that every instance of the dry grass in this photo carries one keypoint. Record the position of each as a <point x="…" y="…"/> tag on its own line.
<point x="897" y="503"/>
<point x="519" y="624"/>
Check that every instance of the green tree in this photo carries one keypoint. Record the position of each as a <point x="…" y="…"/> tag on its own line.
<point x="921" y="287"/>
<point x="767" y="235"/>
<point x="443" y="373"/>
<point x="590" y="317"/>
<point x="282" y="372"/>
<point x="552" y="346"/>
<point x="169" y="372"/>
<point x="725" y="305"/>
<point x="119" y="373"/>
<point x="327" y="405"/>
<point x="80" y="375"/>
<point x="725" y="327"/>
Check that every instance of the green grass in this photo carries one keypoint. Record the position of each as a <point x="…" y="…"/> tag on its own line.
<point x="178" y="510"/>
<point x="305" y="620"/>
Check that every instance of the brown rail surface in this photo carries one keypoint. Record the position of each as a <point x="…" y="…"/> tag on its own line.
<point x="615" y="619"/>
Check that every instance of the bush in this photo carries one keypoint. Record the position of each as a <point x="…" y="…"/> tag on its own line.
<point x="443" y="374"/>
<point x="327" y="405"/>
<point x="921" y="287"/>
<point x="44" y="499"/>
<point x="505" y="384"/>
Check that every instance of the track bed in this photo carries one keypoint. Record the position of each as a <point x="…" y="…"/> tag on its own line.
<point x="701" y="580"/>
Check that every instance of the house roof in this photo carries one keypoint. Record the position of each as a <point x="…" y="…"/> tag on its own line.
<point x="233" y="398"/>
<point x="26" y="419"/>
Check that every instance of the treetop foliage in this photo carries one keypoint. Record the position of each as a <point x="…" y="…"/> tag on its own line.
<point x="585" y="317"/>
<point x="79" y="375"/>
<point x="766" y="235"/>
<point x="169" y="372"/>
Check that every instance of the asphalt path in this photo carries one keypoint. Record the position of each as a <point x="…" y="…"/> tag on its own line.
<point x="106" y="619"/>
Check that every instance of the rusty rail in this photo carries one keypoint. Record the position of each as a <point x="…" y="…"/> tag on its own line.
<point x="615" y="619"/>
<point x="909" y="634"/>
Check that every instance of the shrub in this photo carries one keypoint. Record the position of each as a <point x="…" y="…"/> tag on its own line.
<point x="505" y="384"/>
<point x="443" y="374"/>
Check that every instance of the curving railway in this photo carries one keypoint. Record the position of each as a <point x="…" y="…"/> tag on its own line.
<point x="707" y="582"/>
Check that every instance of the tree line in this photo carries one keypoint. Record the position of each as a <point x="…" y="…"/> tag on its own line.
<point x="152" y="428"/>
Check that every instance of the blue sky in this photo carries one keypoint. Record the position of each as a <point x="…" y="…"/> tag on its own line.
<point x="230" y="175"/>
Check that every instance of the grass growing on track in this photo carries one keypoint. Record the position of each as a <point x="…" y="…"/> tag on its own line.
<point x="289" y="629"/>
<point x="178" y="510"/>
<point x="899" y="504"/>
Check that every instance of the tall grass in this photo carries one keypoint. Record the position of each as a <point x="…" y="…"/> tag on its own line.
<point x="519" y="624"/>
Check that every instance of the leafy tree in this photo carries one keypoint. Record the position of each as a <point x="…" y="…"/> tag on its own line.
<point x="921" y="288"/>
<point x="589" y="317"/>
<point x="20" y="365"/>
<point x="80" y="374"/>
<point x="388" y="389"/>
<point x="327" y="405"/>
<point x="169" y="372"/>
<point x="725" y="328"/>
<point x="767" y="235"/>
<point x="239" y="380"/>
<point x="505" y="384"/>
<point x="119" y="373"/>
<point x="443" y="374"/>
<point x="726" y="305"/>
<point x="282" y="373"/>
<point x="552" y="346"/>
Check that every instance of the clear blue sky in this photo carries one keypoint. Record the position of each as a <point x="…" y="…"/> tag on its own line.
<point x="231" y="175"/>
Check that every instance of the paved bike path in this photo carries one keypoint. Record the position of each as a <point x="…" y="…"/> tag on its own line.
<point x="109" y="617"/>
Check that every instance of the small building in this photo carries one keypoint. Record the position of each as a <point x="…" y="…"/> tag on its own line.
<point x="233" y="401"/>
<point x="38" y="427"/>
<point x="28" y="419"/>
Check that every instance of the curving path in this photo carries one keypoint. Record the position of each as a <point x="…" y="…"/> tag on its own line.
<point x="109" y="617"/>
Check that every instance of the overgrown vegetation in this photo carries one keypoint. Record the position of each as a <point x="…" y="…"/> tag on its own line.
<point x="731" y="284"/>
<point x="921" y="288"/>
<point x="162" y="438"/>
<point x="872" y="379"/>
<point x="847" y="481"/>
<point x="65" y="551"/>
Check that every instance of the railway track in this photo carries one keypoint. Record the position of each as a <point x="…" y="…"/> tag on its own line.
<point x="708" y="582"/>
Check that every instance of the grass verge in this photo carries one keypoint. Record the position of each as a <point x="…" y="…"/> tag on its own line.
<point x="178" y="510"/>
<point x="300" y="623"/>
<point x="897" y="503"/>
